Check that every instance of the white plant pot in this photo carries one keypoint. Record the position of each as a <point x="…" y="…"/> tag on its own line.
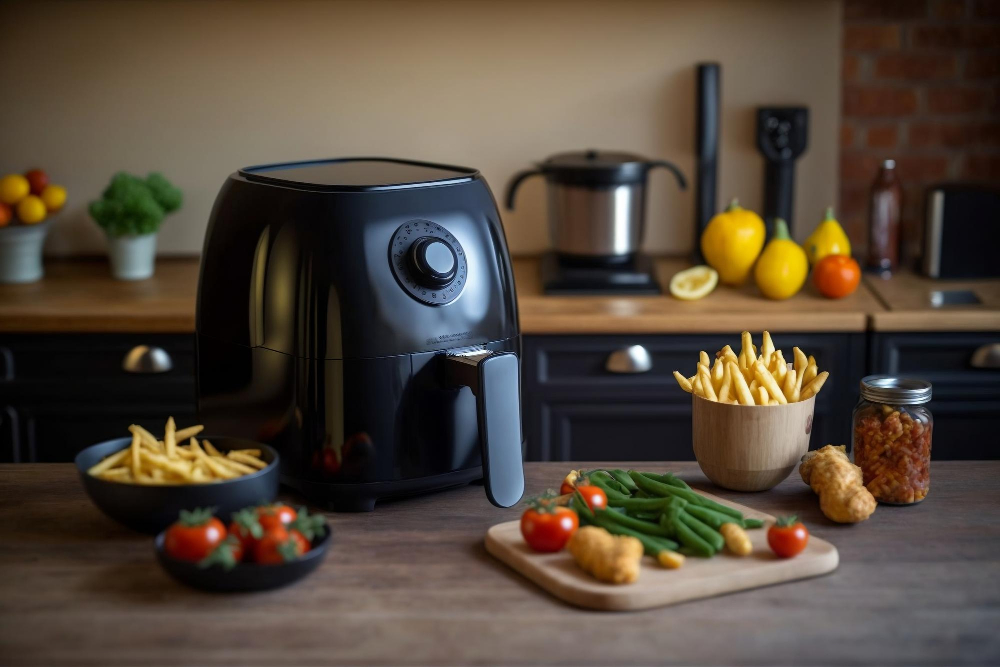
<point x="133" y="257"/>
<point x="21" y="252"/>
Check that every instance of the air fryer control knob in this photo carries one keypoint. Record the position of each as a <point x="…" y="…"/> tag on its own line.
<point x="432" y="261"/>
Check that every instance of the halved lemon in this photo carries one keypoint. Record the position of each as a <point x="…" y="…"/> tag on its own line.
<point x="694" y="283"/>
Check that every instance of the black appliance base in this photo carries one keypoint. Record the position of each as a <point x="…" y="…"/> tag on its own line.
<point x="632" y="277"/>
<point x="362" y="497"/>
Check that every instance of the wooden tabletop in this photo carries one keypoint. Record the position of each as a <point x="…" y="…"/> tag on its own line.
<point x="412" y="583"/>
<point x="726" y="310"/>
<point x="909" y="306"/>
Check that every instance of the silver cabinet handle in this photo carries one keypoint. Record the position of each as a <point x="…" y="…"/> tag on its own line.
<point x="147" y="359"/>
<point x="632" y="359"/>
<point x="987" y="356"/>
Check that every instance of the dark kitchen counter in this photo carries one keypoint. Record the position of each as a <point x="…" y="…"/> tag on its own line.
<point x="412" y="583"/>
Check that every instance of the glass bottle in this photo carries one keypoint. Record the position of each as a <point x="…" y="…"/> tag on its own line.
<point x="884" y="211"/>
<point x="892" y="438"/>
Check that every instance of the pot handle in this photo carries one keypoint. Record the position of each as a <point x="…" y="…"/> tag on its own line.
<point x="672" y="168"/>
<point x="494" y="378"/>
<point x="515" y="182"/>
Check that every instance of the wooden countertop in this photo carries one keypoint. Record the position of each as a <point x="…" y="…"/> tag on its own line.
<point x="908" y="307"/>
<point x="412" y="583"/>
<point x="81" y="296"/>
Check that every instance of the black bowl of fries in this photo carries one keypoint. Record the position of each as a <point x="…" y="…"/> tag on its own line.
<point x="144" y="482"/>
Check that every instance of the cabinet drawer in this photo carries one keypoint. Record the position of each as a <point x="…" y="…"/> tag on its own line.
<point x="944" y="359"/>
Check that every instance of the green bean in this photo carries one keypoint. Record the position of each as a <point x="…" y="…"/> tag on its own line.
<point x="579" y="505"/>
<point x="705" y="532"/>
<point x="622" y="478"/>
<point x="650" y="544"/>
<point x="605" y="480"/>
<point x="753" y="523"/>
<point x="690" y="539"/>
<point x="609" y="491"/>
<point x="713" y="518"/>
<point x="661" y="489"/>
<point x="646" y="516"/>
<point x="646" y="527"/>
<point x="639" y="504"/>
<point x="666" y="478"/>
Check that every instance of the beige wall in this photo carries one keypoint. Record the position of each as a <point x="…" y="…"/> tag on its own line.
<point x="196" y="90"/>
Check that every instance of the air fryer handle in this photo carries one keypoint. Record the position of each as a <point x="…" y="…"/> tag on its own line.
<point x="495" y="380"/>
<point x="515" y="182"/>
<point x="672" y="168"/>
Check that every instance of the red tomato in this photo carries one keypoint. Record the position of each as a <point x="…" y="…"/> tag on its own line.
<point x="304" y="544"/>
<point x="547" y="529"/>
<point x="836" y="276"/>
<point x="595" y="496"/>
<point x="277" y="546"/>
<point x="566" y="488"/>
<point x="37" y="180"/>
<point x="246" y="528"/>
<point x="194" y="536"/>
<point x="228" y="554"/>
<point x="6" y="213"/>
<point x="271" y="516"/>
<point x="788" y="537"/>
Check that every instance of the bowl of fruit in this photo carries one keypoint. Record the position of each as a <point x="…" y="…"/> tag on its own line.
<point x="26" y="202"/>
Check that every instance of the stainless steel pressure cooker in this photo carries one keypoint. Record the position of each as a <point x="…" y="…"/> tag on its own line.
<point x="597" y="203"/>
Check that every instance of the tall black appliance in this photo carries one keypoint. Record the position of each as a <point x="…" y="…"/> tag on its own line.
<point x="359" y="315"/>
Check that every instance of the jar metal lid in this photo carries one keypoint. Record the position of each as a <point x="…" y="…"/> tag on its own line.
<point x="895" y="390"/>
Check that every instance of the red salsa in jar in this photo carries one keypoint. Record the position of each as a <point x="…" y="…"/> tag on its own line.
<point x="892" y="438"/>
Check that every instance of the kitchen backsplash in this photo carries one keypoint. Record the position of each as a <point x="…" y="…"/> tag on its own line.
<point x="209" y="87"/>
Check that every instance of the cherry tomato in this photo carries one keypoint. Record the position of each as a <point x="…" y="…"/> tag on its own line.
<point x="547" y="528"/>
<point x="194" y="536"/>
<point x="836" y="276"/>
<point x="566" y="488"/>
<point x="304" y="544"/>
<point x="6" y="214"/>
<point x="246" y="529"/>
<point x="788" y="537"/>
<point x="277" y="546"/>
<point x="594" y="495"/>
<point x="271" y="516"/>
<point x="37" y="180"/>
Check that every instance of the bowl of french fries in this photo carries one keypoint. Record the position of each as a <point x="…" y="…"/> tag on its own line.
<point x="144" y="482"/>
<point x="752" y="413"/>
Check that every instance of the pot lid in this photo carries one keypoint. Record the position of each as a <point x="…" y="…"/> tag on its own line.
<point x="358" y="174"/>
<point x="593" y="167"/>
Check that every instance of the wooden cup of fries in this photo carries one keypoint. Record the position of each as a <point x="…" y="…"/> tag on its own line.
<point x="752" y="413"/>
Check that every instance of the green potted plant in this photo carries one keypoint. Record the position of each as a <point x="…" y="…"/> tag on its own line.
<point x="130" y="212"/>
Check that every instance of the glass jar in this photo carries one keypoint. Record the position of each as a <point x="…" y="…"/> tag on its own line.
<point x="892" y="438"/>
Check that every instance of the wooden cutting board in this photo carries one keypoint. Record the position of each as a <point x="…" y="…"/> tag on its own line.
<point x="699" y="578"/>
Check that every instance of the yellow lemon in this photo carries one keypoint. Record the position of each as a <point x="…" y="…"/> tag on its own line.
<point x="782" y="267"/>
<point x="731" y="242"/>
<point x="13" y="188"/>
<point x="31" y="210"/>
<point x="54" y="196"/>
<point x="694" y="283"/>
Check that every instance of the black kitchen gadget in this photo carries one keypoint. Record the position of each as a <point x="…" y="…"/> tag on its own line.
<point x="782" y="136"/>
<point x="150" y="509"/>
<point x="359" y="315"/>
<point x="243" y="577"/>
<point x="707" y="117"/>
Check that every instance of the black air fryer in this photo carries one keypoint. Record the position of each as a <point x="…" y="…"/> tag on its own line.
<point x="359" y="315"/>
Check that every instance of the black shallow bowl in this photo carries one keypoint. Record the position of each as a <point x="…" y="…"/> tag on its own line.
<point x="150" y="509"/>
<point x="244" y="577"/>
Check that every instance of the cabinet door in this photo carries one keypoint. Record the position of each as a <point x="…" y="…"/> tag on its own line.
<point x="966" y="400"/>
<point x="575" y="409"/>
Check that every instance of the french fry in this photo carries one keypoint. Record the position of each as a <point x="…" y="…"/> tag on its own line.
<point x="683" y="382"/>
<point x="766" y="349"/>
<point x="727" y="385"/>
<point x="703" y="357"/>
<point x="248" y="459"/>
<point x="169" y="437"/>
<point x="210" y="448"/>
<point x="742" y="391"/>
<point x="160" y="462"/>
<point x="762" y="396"/>
<point x="706" y="383"/>
<point x="766" y="380"/>
<point x="717" y="373"/>
<point x="780" y="369"/>
<point x="211" y="462"/>
<point x="189" y="432"/>
<point x="754" y="383"/>
<point x="235" y="466"/>
<point x="117" y="475"/>
<point x="809" y="374"/>
<point x="696" y="386"/>
<point x="788" y="386"/>
<point x="747" y="353"/>
<point x="146" y="437"/>
<point x="134" y="451"/>
<point x="108" y="463"/>
<point x="256" y="452"/>
<point x="813" y="387"/>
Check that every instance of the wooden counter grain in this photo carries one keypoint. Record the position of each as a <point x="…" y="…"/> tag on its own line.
<point x="81" y="296"/>
<point x="411" y="583"/>
<point x="907" y="300"/>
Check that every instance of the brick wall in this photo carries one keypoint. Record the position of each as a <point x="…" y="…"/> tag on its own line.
<point x="921" y="85"/>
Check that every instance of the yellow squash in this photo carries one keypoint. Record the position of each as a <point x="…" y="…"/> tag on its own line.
<point x="782" y="267"/>
<point x="731" y="242"/>
<point x="827" y="239"/>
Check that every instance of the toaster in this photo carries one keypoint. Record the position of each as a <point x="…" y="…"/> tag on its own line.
<point x="359" y="316"/>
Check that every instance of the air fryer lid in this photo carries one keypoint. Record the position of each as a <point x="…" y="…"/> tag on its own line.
<point x="358" y="174"/>
<point x="592" y="167"/>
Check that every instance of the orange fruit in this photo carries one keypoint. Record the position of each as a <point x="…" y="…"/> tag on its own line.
<point x="54" y="197"/>
<point x="13" y="188"/>
<point x="31" y="210"/>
